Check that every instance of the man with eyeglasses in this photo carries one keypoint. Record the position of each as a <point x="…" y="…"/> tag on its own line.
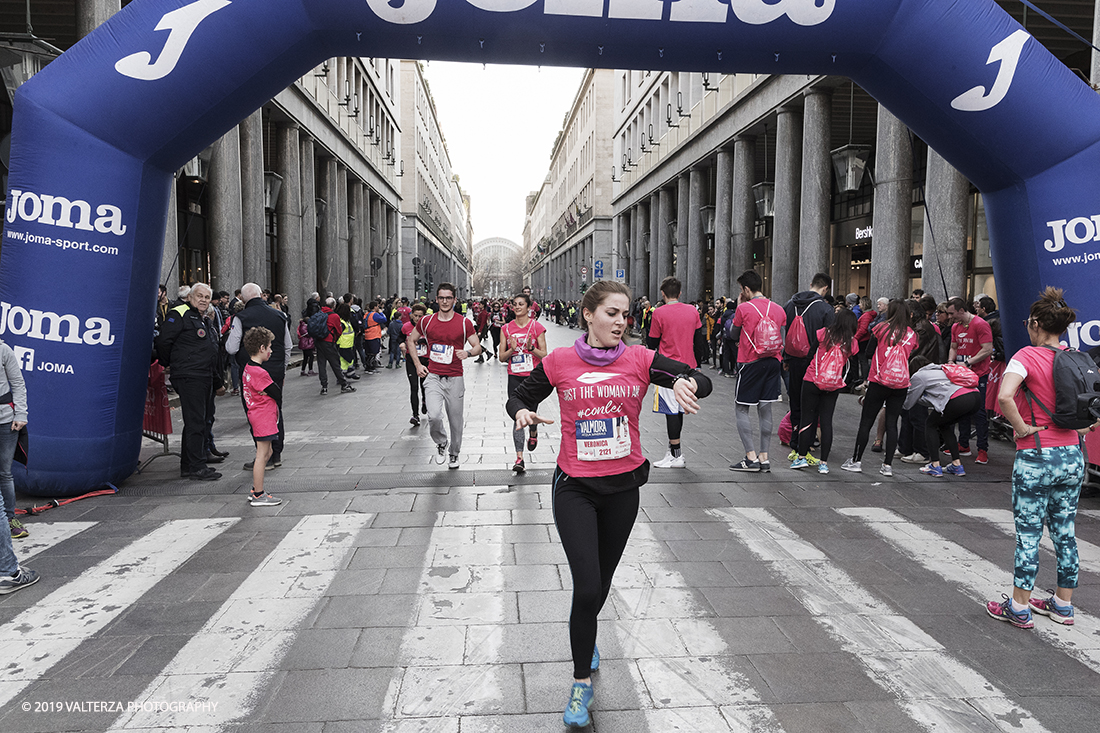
<point x="444" y="389"/>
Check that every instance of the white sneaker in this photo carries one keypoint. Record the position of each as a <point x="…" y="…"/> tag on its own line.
<point x="915" y="458"/>
<point x="670" y="461"/>
<point x="453" y="462"/>
<point x="853" y="466"/>
<point x="898" y="454"/>
<point x="886" y="470"/>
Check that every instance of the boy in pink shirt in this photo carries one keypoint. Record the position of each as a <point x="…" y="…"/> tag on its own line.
<point x="260" y="395"/>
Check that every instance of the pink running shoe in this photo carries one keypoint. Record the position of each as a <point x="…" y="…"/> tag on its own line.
<point x="1003" y="611"/>
<point x="1050" y="609"/>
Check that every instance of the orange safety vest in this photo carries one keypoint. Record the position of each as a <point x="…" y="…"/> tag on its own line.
<point x="371" y="328"/>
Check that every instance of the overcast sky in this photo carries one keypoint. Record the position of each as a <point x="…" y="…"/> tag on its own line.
<point x="500" y="123"/>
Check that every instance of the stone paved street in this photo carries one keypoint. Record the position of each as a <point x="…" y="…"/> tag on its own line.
<point x="389" y="594"/>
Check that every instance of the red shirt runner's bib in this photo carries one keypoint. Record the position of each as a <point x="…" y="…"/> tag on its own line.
<point x="444" y="339"/>
<point x="522" y="340"/>
<point x="675" y="324"/>
<point x="599" y="410"/>
<point x="970" y="338"/>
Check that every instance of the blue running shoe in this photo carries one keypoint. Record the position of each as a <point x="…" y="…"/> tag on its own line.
<point x="932" y="470"/>
<point x="951" y="468"/>
<point x="799" y="462"/>
<point x="595" y="658"/>
<point x="1055" y="612"/>
<point x="1003" y="611"/>
<point x="576" y="711"/>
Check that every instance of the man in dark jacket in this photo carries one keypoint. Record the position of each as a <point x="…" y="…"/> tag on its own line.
<point x="258" y="313"/>
<point x="189" y="347"/>
<point x="729" y="346"/>
<point x="810" y="305"/>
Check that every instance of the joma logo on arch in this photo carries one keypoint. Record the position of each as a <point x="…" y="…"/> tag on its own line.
<point x="59" y="211"/>
<point x="36" y="324"/>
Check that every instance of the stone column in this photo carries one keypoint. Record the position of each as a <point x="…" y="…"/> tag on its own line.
<point x="817" y="187"/>
<point x="946" y="195"/>
<point x="634" y="277"/>
<point x="358" y="247"/>
<point x="227" y="272"/>
<point x="395" y="264"/>
<point x="90" y="14"/>
<point x="655" y="274"/>
<point x="723" y="217"/>
<point x="169" y="260"/>
<point x="893" y="215"/>
<point x="788" y="198"/>
<point x="340" y="275"/>
<point x="664" y="236"/>
<point x="327" y="232"/>
<point x="697" y="239"/>
<point x="679" y="253"/>
<point x="288" y="212"/>
<point x="622" y="242"/>
<point x="253" y="219"/>
<point x="642" y="286"/>
<point x="308" y="167"/>
<point x="743" y="226"/>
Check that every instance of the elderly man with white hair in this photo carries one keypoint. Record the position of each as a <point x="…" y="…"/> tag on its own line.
<point x="188" y="345"/>
<point x="258" y="313"/>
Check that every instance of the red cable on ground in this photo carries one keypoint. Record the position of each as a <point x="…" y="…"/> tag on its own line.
<point x="55" y="502"/>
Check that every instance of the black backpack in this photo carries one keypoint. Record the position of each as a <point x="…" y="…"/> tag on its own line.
<point x="1076" y="390"/>
<point x="317" y="325"/>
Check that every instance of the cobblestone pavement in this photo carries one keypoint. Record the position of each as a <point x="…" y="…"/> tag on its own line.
<point x="389" y="594"/>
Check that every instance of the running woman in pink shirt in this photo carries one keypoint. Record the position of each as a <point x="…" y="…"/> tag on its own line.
<point x="523" y="345"/>
<point x="601" y="384"/>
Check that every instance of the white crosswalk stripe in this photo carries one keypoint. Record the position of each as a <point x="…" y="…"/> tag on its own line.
<point x="45" y="535"/>
<point x="235" y="654"/>
<point x="39" y="637"/>
<point x="936" y="690"/>
<point x="1088" y="553"/>
<point x="977" y="577"/>
<point x="452" y="647"/>
<point x="682" y="688"/>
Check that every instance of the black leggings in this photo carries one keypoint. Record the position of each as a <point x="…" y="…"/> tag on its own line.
<point x="415" y="395"/>
<point x="594" y="529"/>
<point x="876" y="397"/>
<point x="817" y="407"/>
<point x="941" y="423"/>
<point x="675" y="425"/>
<point x="307" y="359"/>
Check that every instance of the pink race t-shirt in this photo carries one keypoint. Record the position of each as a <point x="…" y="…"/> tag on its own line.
<point x="444" y="339"/>
<point x="1036" y="366"/>
<point x="421" y="344"/>
<point x="522" y="340"/>
<point x="675" y="324"/>
<point x="907" y="343"/>
<point x="263" y="413"/>
<point x="811" y="370"/>
<point x="599" y="408"/>
<point x="970" y="338"/>
<point x="747" y="316"/>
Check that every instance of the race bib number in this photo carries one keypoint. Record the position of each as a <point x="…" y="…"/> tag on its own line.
<point x="603" y="439"/>
<point x="522" y="364"/>
<point x="421" y="349"/>
<point x="442" y="354"/>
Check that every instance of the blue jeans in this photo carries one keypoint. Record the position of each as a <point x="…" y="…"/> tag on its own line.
<point x="8" y="440"/>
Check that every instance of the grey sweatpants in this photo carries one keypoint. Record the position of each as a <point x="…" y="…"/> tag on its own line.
<point x="445" y="393"/>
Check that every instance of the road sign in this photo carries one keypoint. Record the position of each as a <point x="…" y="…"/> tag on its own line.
<point x="584" y="270"/>
<point x="620" y="275"/>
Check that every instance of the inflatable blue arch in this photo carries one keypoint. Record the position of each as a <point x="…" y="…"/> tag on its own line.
<point x="98" y="134"/>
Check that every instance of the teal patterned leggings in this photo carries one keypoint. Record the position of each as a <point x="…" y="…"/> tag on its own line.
<point x="1046" y="484"/>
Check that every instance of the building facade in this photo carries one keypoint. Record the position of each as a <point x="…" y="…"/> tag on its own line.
<point x="567" y="235"/>
<point x="792" y="175"/>
<point x="436" y="225"/>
